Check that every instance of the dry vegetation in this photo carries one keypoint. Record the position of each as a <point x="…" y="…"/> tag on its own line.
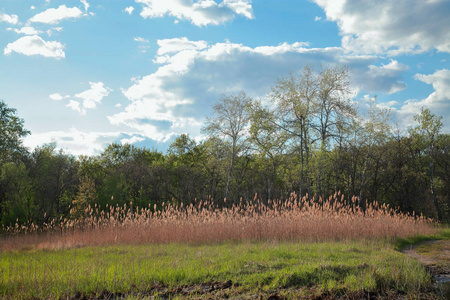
<point x="203" y="222"/>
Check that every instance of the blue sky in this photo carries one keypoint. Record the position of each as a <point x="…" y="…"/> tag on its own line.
<point x="88" y="73"/>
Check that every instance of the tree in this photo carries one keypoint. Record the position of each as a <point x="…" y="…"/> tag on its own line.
<point x="55" y="179"/>
<point x="187" y="177"/>
<point x="86" y="196"/>
<point x="313" y="107"/>
<point x="294" y="99"/>
<point x="11" y="133"/>
<point x="18" y="195"/>
<point x="426" y="135"/>
<point x="230" y="121"/>
<point x="268" y="139"/>
<point x="182" y="145"/>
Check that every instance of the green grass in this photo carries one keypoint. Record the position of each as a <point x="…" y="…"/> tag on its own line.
<point x="443" y="234"/>
<point x="259" y="267"/>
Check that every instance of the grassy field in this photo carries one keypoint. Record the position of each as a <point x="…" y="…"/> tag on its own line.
<point x="235" y="270"/>
<point x="284" y="249"/>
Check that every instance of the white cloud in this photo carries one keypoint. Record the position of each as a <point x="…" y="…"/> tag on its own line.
<point x="35" y="45"/>
<point x="32" y="7"/>
<point x="28" y="30"/>
<point x="86" y="4"/>
<point x="74" y="141"/>
<point x="317" y="18"/>
<point x="240" y="7"/>
<point x="199" y="13"/>
<point x="129" y="9"/>
<point x="50" y="31"/>
<point x="57" y="97"/>
<point x="441" y="84"/>
<point x="179" y="44"/>
<point x="55" y="15"/>
<point x="143" y="44"/>
<point x="438" y="101"/>
<point x="89" y="99"/>
<point x="193" y="75"/>
<point x="94" y="95"/>
<point x="11" y="19"/>
<point x="141" y="40"/>
<point x="392" y="27"/>
<point x="132" y="140"/>
<point x="382" y="79"/>
<point x="76" y="106"/>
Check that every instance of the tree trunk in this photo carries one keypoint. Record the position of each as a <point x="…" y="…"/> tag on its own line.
<point x="229" y="171"/>
<point x="433" y="194"/>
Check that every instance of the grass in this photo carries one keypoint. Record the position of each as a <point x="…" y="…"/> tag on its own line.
<point x="181" y="270"/>
<point x="440" y="234"/>
<point x="295" y="248"/>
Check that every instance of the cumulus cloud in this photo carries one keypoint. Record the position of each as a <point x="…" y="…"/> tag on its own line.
<point x="382" y="78"/>
<point x="132" y="140"/>
<point x="129" y="10"/>
<point x="76" y="106"/>
<point x="179" y="44"/>
<point x="193" y="75"/>
<point x="393" y="27"/>
<point x="90" y="98"/>
<point x="56" y="15"/>
<point x="75" y="141"/>
<point x="57" y="97"/>
<point x="11" y="19"/>
<point x="438" y="101"/>
<point x="199" y="13"/>
<point x="27" y="30"/>
<point x="35" y="45"/>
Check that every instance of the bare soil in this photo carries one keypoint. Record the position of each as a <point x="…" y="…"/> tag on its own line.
<point x="435" y="255"/>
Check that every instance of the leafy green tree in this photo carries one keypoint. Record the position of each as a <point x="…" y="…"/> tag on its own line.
<point x="426" y="135"/>
<point x="86" y="195"/>
<point x="214" y="156"/>
<point x="11" y="133"/>
<point x="188" y="176"/>
<point x="55" y="178"/>
<point x="18" y="203"/>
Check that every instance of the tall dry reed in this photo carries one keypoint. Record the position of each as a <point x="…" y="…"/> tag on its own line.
<point x="202" y="222"/>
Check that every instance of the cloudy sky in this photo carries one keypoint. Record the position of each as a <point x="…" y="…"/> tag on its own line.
<point x="88" y="73"/>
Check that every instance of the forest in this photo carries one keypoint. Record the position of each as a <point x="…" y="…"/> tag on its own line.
<point x="307" y="138"/>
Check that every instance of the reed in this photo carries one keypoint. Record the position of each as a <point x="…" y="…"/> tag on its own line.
<point x="293" y="219"/>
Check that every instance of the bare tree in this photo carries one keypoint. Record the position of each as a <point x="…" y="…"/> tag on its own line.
<point x="230" y="121"/>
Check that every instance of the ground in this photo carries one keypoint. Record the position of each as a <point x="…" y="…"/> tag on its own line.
<point x="435" y="255"/>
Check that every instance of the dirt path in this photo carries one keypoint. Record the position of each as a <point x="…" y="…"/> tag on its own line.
<point x="435" y="255"/>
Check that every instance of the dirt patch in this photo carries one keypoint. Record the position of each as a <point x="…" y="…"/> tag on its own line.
<point x="435" y="255"/>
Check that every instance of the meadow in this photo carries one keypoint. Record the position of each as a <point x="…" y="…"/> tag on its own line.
<point x="286" y="249"/>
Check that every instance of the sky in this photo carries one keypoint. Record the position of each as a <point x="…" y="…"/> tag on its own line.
<point x="84" y="74"/>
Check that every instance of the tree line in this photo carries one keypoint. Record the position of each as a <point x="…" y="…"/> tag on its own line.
<point x="307" y="137"/>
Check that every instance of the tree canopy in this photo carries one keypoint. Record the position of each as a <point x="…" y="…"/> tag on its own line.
<point x="11" y="133"/>
<point x="305" y="137"/>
